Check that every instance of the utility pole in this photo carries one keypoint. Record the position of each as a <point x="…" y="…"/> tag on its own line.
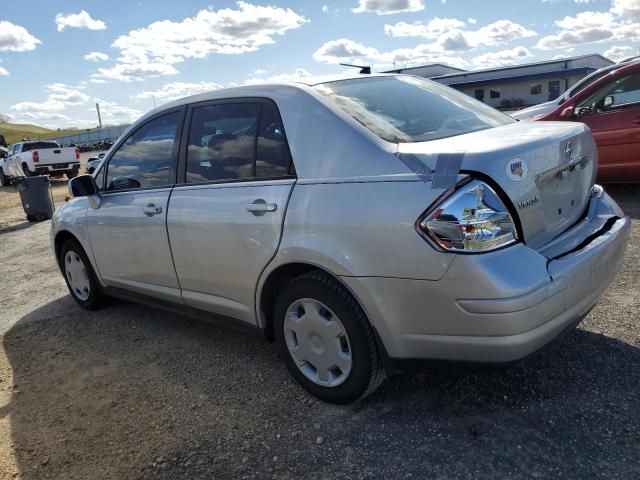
<point x="99" y="117"/>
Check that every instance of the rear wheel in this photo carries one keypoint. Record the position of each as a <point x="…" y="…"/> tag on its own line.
<point x="25" y="169"/>
<point x="80" y="277"/>
<point x="326" y="340"/>
<point x="72" y="174"/>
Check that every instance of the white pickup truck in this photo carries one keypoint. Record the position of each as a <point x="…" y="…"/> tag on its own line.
<point x="40" y="158"/>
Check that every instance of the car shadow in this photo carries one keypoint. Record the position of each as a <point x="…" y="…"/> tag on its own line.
<point x="133" y="392"/>
<point x="627" y="196"/>
<point x="16" y="226"/>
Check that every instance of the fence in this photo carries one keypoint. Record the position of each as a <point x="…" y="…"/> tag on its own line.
<point x="94" y="136"/>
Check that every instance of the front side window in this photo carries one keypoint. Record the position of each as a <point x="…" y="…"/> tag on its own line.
<point x="146" y="158"/>
<point x="235" y="141"/>
<point x="409" y="109"/>
<point x="618" y="93"/>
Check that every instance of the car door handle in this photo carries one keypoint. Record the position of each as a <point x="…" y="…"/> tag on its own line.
<point x="260" y="207"/>
<point x="151" y="210"/>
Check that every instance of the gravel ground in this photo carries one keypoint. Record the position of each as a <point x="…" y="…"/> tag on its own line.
<point x="133" y="392"/>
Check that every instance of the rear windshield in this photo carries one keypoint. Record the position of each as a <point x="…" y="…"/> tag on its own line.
<point x="407" y="109"/>
<point x="39" y="146"/>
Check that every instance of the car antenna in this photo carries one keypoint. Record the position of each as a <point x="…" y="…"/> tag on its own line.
<point x="365" y="70"/>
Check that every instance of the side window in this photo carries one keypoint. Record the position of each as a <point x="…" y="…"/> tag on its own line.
<point x="619" y="93"/>
<point x="272" y="154"/>
<point x="99" y="176"/>
<point x="146" y="158"/>
<point x="222" y="142"/>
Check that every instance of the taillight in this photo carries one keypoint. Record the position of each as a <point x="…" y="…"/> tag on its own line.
<point x="77" y="153"/>
<point x="472" y="219"/>
<point x="35" y="158"/>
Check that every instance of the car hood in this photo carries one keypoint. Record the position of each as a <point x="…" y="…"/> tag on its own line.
<point x="528" y="113"/>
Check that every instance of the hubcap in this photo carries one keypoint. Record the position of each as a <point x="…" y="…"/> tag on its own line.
<point x="77" y="275"/>
<point x="317" y="342"/>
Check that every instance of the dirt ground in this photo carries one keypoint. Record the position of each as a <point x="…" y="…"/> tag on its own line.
<point x="133" y="392"/>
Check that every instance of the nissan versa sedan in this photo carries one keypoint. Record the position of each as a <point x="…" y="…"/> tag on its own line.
<point x="356" y="222"/>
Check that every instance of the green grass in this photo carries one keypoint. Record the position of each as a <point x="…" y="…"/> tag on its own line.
<point x="15" y="132"/>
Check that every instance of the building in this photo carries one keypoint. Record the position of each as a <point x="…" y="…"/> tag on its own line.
<point x="519" y="85"/>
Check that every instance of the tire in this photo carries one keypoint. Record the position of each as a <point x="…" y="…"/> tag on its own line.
<point x="72" y="174"/>
<point x="4" y="181"/>
<point x="356" y="339"/>
<point x="27" y="172"/>
<point x="94" y="298"/>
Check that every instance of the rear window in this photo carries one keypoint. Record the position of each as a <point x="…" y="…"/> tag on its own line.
<point x="39" y="146"/>
<point x="409" y="109"/>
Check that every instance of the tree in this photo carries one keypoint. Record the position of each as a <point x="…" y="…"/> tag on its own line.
<point x="4" y="118"/>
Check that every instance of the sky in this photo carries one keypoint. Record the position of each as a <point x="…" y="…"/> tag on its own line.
<point x="58" y="58"/>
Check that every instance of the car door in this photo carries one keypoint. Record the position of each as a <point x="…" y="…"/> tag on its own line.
<point x="225" y="218"/>
<point x="613" y="115"/>
<point x="128" y="231"/>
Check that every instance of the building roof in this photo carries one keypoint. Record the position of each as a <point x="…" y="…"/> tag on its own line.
<point x="527" y="65"/>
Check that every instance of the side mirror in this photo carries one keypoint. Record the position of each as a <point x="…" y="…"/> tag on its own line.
<point x="123" y="183"/>
<point x="608" y="101"/>
<point x="567" y="113"/>
<point x="85" y="186"/>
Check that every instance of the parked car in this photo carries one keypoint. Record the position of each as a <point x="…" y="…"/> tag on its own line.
<point x="43" y="158"/>
<point x="610" y="107"/>
<point x="537" y="111"/>
<point x="358" y="222"/>
<point x="94" y="162"/>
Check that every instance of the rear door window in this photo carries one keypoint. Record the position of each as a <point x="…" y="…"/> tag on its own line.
<point x="236" y="141"/>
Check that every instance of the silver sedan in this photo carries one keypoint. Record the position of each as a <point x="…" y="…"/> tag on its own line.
<point x="358" y="222"/>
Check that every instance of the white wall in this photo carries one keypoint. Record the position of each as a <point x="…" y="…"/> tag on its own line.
<point x="521" y="91"/>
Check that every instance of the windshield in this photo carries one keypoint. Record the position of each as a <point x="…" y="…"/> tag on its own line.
<point x="39" y="146"/>
<point x="407" y="109"/>
<point x="584" y="82"/>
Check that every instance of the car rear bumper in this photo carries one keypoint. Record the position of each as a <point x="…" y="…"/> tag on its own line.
<point x="501" y="306"/>
<point x="57" y="168"/>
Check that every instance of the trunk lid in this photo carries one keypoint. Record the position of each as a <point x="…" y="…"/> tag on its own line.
<point x="546" y="169"/>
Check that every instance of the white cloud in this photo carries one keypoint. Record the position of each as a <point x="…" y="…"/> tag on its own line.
<point x="590" y="27"/>
<point x="14" y="38"/>
<point x="126" y="72"/>
<point x="259" y="71"/>
<point x="96" y="57"/>
<point x="433" y="29"/>
<point x="285" y="77"/>
<point x="224" y="31"/>
<point x="115" y="114"/>
<point x="79" y="20"/>
<point x="343" y="50"/>
<point x="451" y="35"/>
<point x="626" y="8"/>
<point x="619" y="52"/>
<point x="172" y="91"/>
<point x="3" y="72"/>
<point x="387" y="7"/>
<point x="502" y="58"/>
<point x="325" y="8"/>
<point x="502" y="31"/>
<point x="60" y="96"/>
<point x="348" y="51"/>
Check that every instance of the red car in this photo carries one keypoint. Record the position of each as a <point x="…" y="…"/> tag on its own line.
<point x="610" y="107"/>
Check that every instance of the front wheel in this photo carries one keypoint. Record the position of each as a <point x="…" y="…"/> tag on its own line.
<point x="80" y="277"/>
<point x="326" y="340"/>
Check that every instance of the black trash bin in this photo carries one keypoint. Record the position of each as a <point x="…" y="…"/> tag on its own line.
<point x="37" y="201"/>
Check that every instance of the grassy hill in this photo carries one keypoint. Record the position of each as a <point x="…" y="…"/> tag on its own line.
<point x="15" y="132"/>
